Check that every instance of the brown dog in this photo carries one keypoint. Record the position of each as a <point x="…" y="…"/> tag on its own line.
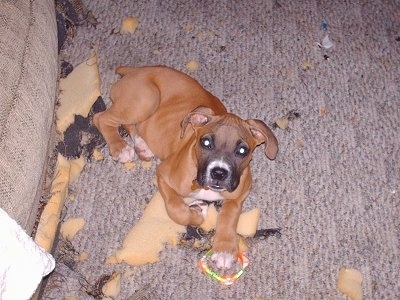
<point x="204" y="150"/>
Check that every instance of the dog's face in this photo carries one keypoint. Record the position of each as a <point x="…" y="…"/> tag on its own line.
<point x="223" y="151"/>
<point x="224" y="146"/>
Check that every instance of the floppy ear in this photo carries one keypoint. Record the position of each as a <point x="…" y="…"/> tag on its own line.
<point x="263" y="134"/>
<point x="197" y="118"/>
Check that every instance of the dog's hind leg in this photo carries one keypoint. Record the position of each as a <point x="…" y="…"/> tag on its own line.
<point x="135" y="98"/>
<point x="141" y="148"/>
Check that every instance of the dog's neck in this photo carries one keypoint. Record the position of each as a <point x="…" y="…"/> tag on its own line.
<point x="206" y="195"/>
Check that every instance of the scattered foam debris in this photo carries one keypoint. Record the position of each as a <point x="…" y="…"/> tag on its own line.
<point x="147" y="164"/>
<point x="97" y="155"/>
<point x="82" y="257"/>
<point x="50" y="216"/>
<point x="349" y="283"/>
<point x="298" y="143"/>
<point x="78" y="92"/>
<point x="148" y="237"/>
<point x="129" y="165"/>
<point x="71" y="227"/>
<point x="112" y="287"/>
<point x="307" y="65"/>
<point x="283" y="122"/>
<point x="129" y="25"/>
<point x="188" y="26"/>
<point x="247" y="224"/>
<point x="192" y="65"/>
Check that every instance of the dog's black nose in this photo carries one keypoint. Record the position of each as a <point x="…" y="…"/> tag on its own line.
<point x="218" y="173"/>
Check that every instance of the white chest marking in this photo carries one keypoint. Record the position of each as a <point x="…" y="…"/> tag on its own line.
<point x="207" y="195"/>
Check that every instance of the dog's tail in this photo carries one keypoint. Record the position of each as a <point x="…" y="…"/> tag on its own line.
<point x="123" y="70"/>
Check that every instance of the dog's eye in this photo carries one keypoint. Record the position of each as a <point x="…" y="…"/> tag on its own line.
<point x="207" y="142"/>
<point x="242" y="150"/>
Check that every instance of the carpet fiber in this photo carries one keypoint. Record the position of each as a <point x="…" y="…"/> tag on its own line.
<point x="334" y="187"/>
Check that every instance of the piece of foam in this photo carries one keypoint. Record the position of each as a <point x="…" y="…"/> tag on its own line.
<point x="129" y="25"/>
<point x="66" y="171"/>
<point x="349" y="283"/>
<point x="129" y="165"/>
<point x="97" y="155"/>
<point x="78" y="92"/>
<point x="147" y="164"/>
<point x="282" y="123"/>
<point x="112" y="287"/>
<point x="247" y="224"/>
<point x="211" y="219"/>
<point x="192" y="65"/>
<point x="82" y="257"/>
<point x="148" y="237"/>
<point x="155" y="229"/>
<point x="75" y="168"/>
<point x="71" y="227"/>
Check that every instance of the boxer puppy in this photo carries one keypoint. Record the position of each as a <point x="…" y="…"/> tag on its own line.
<point x="204" y="150"/>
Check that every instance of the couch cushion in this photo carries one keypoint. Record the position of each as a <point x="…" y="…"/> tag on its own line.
<point x="28" y="77"/>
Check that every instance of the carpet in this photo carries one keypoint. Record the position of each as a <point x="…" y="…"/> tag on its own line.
<point x="334" y="187"/>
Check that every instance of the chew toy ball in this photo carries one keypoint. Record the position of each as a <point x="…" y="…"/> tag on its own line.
<point x="226" y="279"/>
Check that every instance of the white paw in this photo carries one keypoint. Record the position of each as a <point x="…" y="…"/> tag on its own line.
<point x="223" y="260"/>
<point x="127" y="155"/>
<point x="142" y="149"/>
<point x="203" y="207"/>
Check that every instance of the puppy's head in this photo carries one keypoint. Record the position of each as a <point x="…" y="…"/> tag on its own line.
<point x="224" y="145"/>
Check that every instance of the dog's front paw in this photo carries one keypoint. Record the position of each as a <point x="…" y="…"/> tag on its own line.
<point x="223" y="260"/>
<point x="127" y="154"/>
<point x="201" y="206"/>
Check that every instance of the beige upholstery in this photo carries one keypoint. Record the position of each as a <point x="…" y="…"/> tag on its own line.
<point x="28" y="78"/>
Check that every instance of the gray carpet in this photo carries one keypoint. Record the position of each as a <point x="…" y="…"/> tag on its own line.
<point x="334" y="187"/>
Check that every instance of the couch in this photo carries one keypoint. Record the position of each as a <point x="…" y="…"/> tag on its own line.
<point x="28" y="86"/>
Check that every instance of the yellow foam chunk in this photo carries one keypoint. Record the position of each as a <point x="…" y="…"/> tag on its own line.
<point x="148" y="237"/>
<point x="243" y="245"/>
<point x="76" y="167"/>
<point x="129" y="165"/>
<point x="247" y="225"/>
<point x="71" y="227"/>
<point x="349" y="283"/>
<point x="248" y="222"/>
<point x="129" y="25"/>
<point x="112" y="287"/>
<point x="192" y="65"/>
<point x="283" y="123"/>
<point x="147" y="164"/>
<point x="97" y="155"/>
<point x="83" y="257"/>
<point x="211" y="219"/>
<point x="78" y="91"/>
<point x="50" y="216"/>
